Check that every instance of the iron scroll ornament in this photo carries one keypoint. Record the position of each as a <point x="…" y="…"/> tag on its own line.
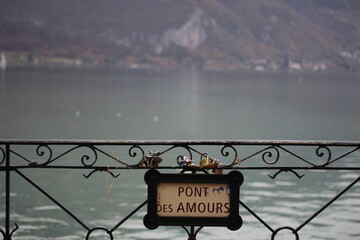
<point x="232" y="221"/>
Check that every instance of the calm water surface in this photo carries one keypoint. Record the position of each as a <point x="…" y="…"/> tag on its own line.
<point x="155" y="105"/>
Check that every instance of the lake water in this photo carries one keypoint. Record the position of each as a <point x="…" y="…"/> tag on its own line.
<point x="187" y="105"/>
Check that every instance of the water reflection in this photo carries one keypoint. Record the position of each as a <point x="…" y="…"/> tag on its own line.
<point x="180" y="105"/>
<point x="2" y="81"/>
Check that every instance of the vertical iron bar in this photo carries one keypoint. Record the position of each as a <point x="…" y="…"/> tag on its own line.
<point x="7" y="194"/>
<point x="192" y="235"/>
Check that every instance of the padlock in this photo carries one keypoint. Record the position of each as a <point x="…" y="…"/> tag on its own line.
<point x="205" y="162"/>
<point x="153" y="161"/>
<point x="186" y="162"/>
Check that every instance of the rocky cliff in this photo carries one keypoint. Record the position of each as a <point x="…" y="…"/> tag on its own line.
<point x="226" y="34"/>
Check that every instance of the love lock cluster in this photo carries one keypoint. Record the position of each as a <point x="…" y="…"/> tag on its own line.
<point x="205" y="163"/>
<point x="153" y="160"/>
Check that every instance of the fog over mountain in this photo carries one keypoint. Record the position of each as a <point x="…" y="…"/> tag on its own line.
<point x="226" y="34"/>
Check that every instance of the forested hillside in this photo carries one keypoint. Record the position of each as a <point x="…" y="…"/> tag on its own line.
<point x="226" y="34"/>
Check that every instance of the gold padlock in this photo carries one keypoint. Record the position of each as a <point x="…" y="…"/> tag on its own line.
<point x="205" y="162"/>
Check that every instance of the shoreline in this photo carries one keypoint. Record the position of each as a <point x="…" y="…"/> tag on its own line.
<point x="140" y="67"/>
<point x="31" y="60"/>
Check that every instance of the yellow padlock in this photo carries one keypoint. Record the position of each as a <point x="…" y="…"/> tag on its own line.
<point x="205" y="162"/>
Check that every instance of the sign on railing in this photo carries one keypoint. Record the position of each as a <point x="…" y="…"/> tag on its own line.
<point x="193" y="200"/>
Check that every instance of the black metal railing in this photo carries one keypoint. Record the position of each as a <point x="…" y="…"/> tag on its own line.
<point x="90" y="157"/>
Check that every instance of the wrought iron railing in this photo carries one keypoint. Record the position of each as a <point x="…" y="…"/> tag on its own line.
<point x="274" y="157"/>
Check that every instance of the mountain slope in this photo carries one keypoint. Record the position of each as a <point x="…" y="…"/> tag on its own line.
<point x="200" y="33"/>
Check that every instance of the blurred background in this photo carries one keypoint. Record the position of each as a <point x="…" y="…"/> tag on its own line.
<point x="190" y="69"/>
<point x="260" y="35"/>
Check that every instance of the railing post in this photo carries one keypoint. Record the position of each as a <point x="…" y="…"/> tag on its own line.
<point x="192" y="235"/>
<point x="7" y="194"/>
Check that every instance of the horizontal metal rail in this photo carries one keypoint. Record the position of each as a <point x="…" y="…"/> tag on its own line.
<point x="94" y="156"/>
<point x="181" y="142"/>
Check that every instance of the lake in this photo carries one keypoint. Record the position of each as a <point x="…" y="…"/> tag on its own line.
<point x="180" y="105"/>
